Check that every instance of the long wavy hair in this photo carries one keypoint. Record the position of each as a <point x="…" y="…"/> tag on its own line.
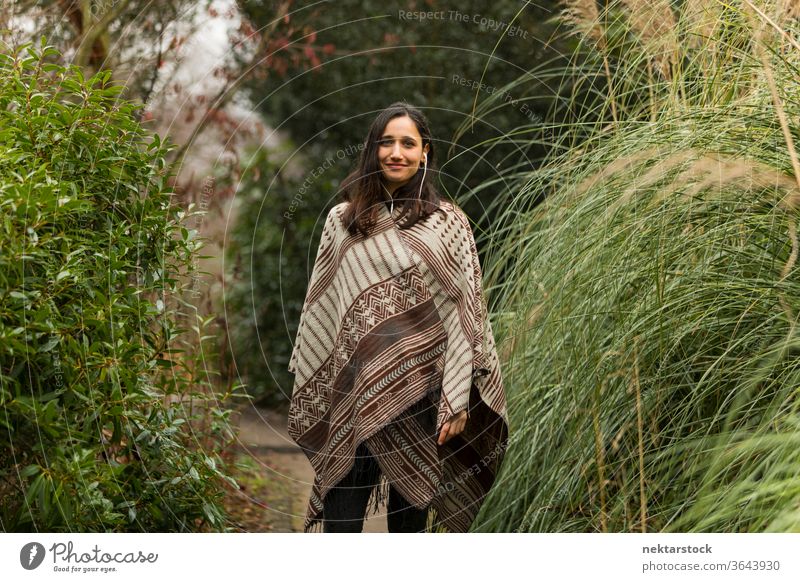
<point x="362" y="187"/>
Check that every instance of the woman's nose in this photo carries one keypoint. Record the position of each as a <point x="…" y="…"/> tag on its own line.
<point x="396" y="150"/>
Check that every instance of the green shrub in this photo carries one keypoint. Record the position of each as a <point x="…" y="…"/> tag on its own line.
<point x="94" y="433"/>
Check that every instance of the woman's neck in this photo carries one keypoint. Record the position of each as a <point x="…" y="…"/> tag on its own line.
<point x="389" y="190"/>
<point x="388" y="193"/>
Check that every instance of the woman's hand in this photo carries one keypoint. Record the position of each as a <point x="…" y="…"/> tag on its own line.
<point x="452" y="427"/>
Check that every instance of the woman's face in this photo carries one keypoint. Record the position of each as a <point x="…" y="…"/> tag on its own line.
<point x="400" y="150"/>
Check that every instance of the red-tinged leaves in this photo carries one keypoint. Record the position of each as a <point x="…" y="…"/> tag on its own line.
<point x="311" y="55"/>
<point x="278" y="44"/>
<point x="281" y="66"/>
<point x="246" y="28"/>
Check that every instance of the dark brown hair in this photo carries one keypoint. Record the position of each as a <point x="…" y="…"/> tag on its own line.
<point x="362" y="187"/>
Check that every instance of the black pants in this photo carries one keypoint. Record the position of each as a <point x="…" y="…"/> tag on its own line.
<point x="346" y="504"/>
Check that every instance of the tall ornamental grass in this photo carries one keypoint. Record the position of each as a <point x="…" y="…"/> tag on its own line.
<point x="648" y="307"/>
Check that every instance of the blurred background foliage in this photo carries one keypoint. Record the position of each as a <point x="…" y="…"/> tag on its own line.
<point x="271" y="252"/>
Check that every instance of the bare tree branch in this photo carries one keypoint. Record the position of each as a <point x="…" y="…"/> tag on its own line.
<point x="92" y="34"/>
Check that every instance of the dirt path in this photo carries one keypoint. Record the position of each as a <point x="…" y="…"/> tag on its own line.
<point x="263" y="437"/>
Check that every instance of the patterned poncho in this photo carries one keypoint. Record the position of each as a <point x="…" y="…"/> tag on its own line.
<point x="394" y="325"/>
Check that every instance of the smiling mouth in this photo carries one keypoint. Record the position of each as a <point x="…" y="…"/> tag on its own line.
<point x="395" y="166"/>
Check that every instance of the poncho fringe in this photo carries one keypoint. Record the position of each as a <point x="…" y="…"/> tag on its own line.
<point x="393" y="324"/>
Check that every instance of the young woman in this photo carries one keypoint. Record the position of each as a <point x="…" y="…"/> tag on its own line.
<point x="398" y="392"/>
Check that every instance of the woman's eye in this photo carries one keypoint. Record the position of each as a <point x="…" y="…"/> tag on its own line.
<point x="388" y="142"/>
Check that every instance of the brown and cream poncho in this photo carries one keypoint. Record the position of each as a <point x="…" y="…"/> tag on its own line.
<point x="392" y="324"/>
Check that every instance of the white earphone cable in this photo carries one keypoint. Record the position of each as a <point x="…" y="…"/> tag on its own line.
<point x="424" y="171"/>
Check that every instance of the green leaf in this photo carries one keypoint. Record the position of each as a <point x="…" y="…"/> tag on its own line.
<point x="29" y="471"/>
